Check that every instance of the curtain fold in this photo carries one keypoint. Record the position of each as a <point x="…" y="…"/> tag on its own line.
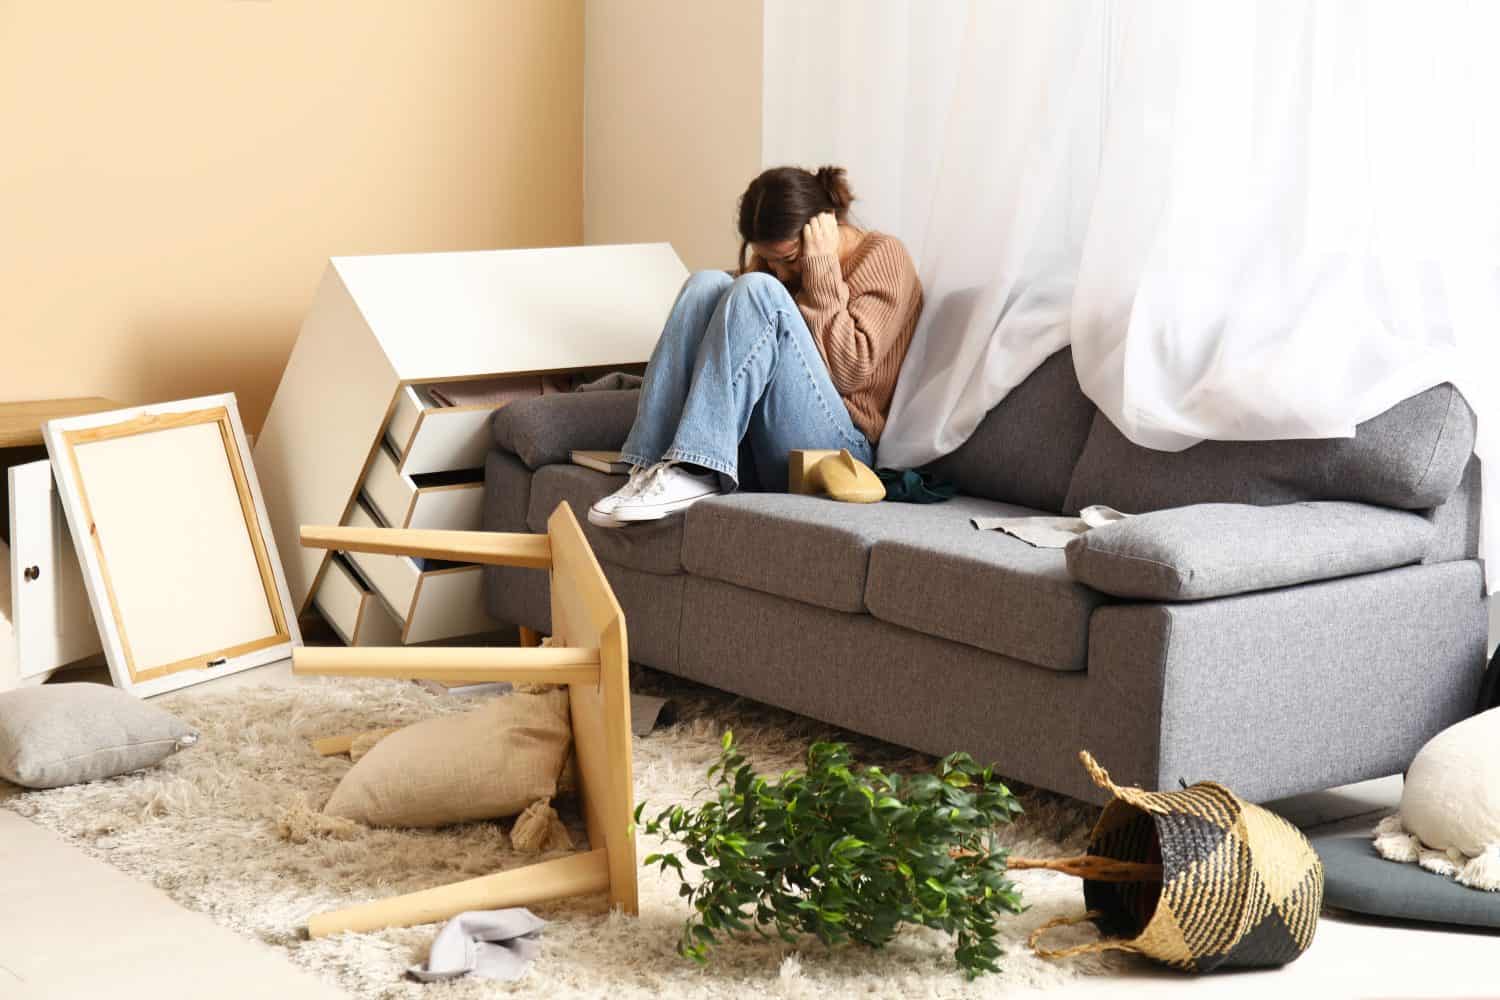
<point x="1251" y="219"/>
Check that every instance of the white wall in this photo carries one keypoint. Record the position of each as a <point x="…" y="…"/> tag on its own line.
<point x="672" y="122"/>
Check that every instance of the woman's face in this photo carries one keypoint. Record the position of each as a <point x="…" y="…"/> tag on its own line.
<point x="784" y="258"/>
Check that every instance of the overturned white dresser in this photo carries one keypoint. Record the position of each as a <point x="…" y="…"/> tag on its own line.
<point x="356" y="435"/>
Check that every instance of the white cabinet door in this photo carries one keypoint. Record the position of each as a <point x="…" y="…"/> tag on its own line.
<point x="49" y="605"/>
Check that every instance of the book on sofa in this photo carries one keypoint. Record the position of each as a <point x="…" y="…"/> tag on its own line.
<point x="601" y="461"/>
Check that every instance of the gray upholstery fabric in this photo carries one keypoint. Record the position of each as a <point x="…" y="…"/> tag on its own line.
<point x="542" y="431"/>
<point x="1455" y="521"/>
<point x="1356" y="878"/>
<point x="1272" y="693"/>
<point x="654" y="547"/>
<point x="973" y="645"/>
<point x="652" y="604"/>
<point x="985" y="589"/>
<point x="1218" y="549"/>
<point x="812" y="549"/>
<point x="1024" y="450"/>
<point x="916" y="690"/>
<point x="507" y="492"/>
<point x="64" y="734"/>
<point x="1411" y="456"/>
<point x="1286" y="691"/>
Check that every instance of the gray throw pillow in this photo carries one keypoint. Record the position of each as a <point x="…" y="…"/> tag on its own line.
<point x="63" y="734"/>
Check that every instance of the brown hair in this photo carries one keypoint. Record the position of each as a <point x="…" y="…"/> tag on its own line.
<point x="779" y="202"/>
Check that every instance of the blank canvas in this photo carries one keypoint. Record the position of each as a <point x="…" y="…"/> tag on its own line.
<point x="167" y="521"/>
<point x="180" y="561"/>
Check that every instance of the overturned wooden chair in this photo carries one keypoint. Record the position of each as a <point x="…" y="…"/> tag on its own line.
<point x="591" y="659"/>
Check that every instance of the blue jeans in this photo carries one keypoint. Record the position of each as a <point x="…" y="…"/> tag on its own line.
<point x="736" y="363"/>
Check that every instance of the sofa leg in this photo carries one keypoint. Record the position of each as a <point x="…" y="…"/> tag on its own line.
<point x="530" y="637"/>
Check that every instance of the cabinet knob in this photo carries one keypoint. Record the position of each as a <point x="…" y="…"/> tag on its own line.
<point x="31" y="573"/>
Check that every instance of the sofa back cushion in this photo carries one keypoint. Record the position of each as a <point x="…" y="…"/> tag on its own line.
<point x="1411" y="456"/>
<point x="1024" y="449"/>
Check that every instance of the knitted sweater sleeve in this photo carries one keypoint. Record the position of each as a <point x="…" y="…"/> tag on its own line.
<point x="856" y="320"/>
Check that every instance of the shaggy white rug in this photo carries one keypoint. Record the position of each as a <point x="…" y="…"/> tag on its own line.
<point x="211" y="828"/>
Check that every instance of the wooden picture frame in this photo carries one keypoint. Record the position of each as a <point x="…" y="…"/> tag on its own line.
<point x="177" y="552"/>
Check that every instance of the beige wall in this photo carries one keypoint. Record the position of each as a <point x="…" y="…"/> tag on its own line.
<point x="672" y="121"/>
<point x="174" y="173"/>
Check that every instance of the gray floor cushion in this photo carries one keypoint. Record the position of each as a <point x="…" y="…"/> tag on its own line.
<point x="1358" y="879"/>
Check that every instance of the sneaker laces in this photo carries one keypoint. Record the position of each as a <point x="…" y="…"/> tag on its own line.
<point x="652" y="480"/>
<point x="638" y="474"/>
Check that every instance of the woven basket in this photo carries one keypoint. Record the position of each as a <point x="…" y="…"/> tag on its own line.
<point x="1197" y="879"/>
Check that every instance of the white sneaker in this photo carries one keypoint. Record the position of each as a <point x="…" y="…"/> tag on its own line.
<point x="602" y="511"/>
<point x="665" y="489"/>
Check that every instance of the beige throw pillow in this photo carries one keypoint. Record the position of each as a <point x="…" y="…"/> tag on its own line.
<point x="491" y="762"/>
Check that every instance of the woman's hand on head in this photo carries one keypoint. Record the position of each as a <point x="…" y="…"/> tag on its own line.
<point x="820" y="237"/>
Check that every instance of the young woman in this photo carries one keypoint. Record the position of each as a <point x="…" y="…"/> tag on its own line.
<point x="801" y="350"/>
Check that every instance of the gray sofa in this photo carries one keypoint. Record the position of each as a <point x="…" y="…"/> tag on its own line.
<point x="1279" y="616"/>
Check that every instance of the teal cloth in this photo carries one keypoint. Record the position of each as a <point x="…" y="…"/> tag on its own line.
<point x="914" y="486"/>
<point x="1356" y="878"/>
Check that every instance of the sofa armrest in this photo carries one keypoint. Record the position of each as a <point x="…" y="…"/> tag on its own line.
<point x="1214" y="550"/>
<point x="542" y="431"/>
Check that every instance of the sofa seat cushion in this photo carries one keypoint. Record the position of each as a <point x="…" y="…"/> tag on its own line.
<point x="924" y="567"/>
<point x="984" y="589"/>
<point x="1218" y="549"/>
<point x="655" y="547"/>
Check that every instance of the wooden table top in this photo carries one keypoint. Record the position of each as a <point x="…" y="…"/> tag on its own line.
<point x="21" y="423"/>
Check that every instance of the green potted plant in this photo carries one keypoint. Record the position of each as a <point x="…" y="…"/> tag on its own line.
<point x="843" y="853"/>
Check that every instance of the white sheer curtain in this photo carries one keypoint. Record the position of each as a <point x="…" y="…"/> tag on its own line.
<point x="1251" y="219"/>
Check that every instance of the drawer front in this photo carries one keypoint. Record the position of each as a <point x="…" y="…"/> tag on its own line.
<point x="377" y="626"/>
<point x="448" y="439"/>
<point x="400" y="502"/>
<point x="49" y="610"/>
<point x="388" y="491"/>
<point x="429" y="605"/>
<point x="409" y="409"/>
<point x="459" y="507"/>
<point x="450" y="602"/>
<point x="358" y="616"/>
<point x="338" y="599"/>
<point x="394" y="578"/>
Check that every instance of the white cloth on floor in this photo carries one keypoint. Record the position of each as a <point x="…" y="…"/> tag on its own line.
<point x="1050" y="532"/>
<point x="491" y="944"/>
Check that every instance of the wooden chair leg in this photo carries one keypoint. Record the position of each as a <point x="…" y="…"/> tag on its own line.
<point x="574" y="875"/>
<point x="332" y="746"/>
<point x="530" y="636"/>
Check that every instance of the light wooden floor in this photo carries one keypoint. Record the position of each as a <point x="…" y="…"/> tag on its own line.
<point x="55" y="944"/>
<point x="71" y="927"/>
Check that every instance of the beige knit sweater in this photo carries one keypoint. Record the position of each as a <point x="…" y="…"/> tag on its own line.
<point x="862" y="316"/>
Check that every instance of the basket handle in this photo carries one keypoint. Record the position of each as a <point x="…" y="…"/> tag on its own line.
<point x="1089" y="948"/>
<point x="1138" y="797"/>
<point x="1093" y="868"/>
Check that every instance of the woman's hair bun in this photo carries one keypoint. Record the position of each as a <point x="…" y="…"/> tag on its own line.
<point x="834" y="181"/>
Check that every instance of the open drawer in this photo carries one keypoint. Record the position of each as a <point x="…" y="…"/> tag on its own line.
<point x="429" y="436"/>
<point x="356" y="614"/>
<point x="431" y="602"/>
<point x="446" y="500"/>
<point x="45" y="620"/>
<point x="445" y="426"/>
